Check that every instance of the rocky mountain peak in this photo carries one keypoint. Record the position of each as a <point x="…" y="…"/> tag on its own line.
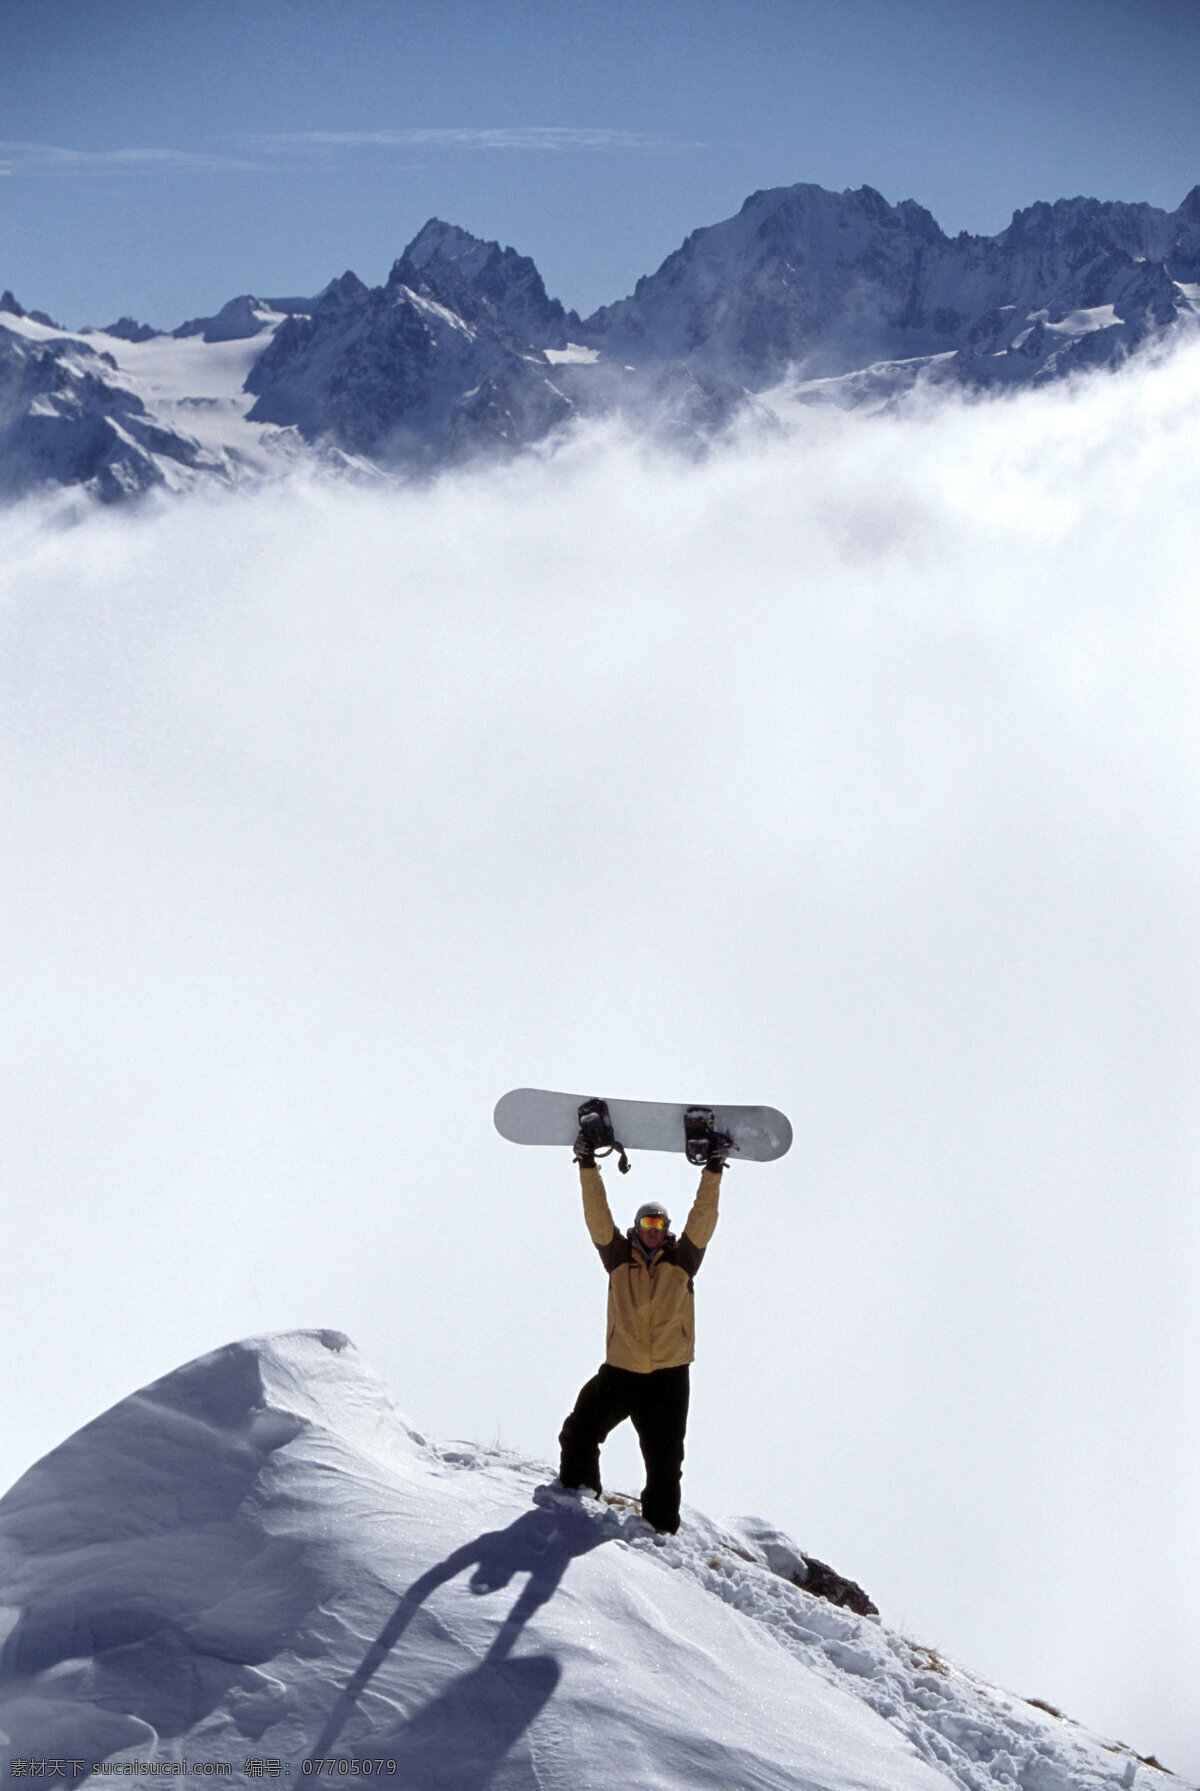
<point x="242" y="317"/>
<point x="345" y="290"/>
<point x="9" y="303"/>
<point x="437" y="241"/>
<point x="480" y="280"/>
<point x="128" y="329"/>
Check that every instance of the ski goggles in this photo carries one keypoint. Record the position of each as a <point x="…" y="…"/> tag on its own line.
<point x="652" y="1222"/>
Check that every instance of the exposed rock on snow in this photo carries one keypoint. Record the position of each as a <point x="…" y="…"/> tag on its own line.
<point x="782" y="1556"/>
<point x="257" y="1559"/>
<point x="67" y="418"/>
<point x="128" y="329"/>
<point x="8" y="303"/>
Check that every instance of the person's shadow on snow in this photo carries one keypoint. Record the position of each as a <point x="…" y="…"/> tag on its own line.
<point x="458" y="1740"/>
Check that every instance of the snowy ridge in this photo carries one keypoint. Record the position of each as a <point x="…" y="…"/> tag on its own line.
<point x="256" y="1558"/>
<point x="978" y="1735"/>
<point x="804" y="297"/>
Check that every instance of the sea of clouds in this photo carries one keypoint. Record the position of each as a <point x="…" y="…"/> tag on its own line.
<point x="854" y="771"/>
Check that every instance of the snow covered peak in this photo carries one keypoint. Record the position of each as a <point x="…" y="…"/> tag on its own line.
<point x="483" y="282"/>
<point x="446" y="242"/>
<point x="203" y="1432"/>
<point x="407" y="374"/>
<point x="241" y="317"/>
<point x="798" y="274"/>
<point x="256" y="1559"/>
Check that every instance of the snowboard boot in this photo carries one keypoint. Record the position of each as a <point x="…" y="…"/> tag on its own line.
<point x="706" y="1147"/>
<point x="555" y="1493"/>
<point x="596" y="1137"/>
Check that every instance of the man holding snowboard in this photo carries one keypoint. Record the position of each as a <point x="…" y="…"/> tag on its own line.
<point x="651" y="1328"/>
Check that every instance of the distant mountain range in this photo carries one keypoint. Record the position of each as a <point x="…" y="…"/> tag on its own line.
<point x="805" y="295"/>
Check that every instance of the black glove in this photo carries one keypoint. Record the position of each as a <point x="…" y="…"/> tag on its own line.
<point x="585" y="1154"/>
<point x="719" y="1146"/>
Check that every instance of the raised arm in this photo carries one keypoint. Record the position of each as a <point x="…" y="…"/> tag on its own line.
<point x="596" y="1211"/>
<point x="597" y="1214"/>
<point x="701" y="1221"/>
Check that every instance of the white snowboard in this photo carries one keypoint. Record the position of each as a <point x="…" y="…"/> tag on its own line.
<point x="539" y="1116"/>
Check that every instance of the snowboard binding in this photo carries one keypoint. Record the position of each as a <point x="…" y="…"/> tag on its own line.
<point x="596" y="1136"/>
<point x="706" y="1147"/>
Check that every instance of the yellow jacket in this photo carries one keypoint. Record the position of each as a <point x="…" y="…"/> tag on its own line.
<point x="651" y="1305"/>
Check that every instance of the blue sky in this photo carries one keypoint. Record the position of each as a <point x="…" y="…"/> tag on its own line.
<point x="159" y="157"/>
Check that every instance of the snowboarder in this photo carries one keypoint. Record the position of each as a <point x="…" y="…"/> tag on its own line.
<point x="651" y="1327"/>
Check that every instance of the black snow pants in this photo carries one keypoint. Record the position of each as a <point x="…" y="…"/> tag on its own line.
<point x="658" y="1405"/>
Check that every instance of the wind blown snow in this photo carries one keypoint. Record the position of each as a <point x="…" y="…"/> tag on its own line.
<point x="854" y="772"/>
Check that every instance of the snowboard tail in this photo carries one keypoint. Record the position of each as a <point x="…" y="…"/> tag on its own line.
<point x="542" y="1116"/>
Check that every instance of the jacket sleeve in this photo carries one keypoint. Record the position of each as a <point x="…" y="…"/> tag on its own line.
<point x="701" y="1221"/>
<point x="613" y="1248"/>
<point x="596" y="1210"/>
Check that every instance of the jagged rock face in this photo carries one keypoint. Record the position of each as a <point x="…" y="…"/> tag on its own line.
<point x="833" y="282"/>
<point x="66" y="420"/>
<point x="128" y="329"/>
<point x="483" y="283"/>
<point x="797" y="267"/>
<point x="399" y="376"/>
<point x="9" y="303"/>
